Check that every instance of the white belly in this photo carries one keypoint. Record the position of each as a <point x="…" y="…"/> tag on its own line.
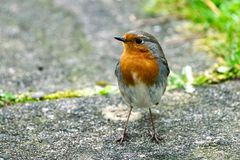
<point x="140" y="95"/>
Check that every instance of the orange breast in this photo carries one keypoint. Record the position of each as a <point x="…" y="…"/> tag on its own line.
<point x="139" y="67"/>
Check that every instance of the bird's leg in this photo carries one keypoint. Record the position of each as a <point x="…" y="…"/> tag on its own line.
<point x="124" y="135"/>
<point x="153" y="134"/>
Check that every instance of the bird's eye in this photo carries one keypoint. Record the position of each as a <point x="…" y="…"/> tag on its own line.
<point x="139" y="41"/>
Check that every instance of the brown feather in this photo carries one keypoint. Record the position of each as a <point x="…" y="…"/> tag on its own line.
<point x="139" y="67"/>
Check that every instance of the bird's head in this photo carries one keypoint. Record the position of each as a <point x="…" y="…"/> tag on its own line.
<point x="140" y="42"/>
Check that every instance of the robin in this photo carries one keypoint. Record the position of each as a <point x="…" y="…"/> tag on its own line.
<point x="142" y="73"/>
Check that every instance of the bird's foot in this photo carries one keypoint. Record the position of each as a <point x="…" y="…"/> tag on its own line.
<point x="155" y="138"/>
<point x="122" y="138"/>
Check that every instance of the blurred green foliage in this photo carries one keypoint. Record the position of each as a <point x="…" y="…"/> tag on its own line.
<point x="222" y="16"/>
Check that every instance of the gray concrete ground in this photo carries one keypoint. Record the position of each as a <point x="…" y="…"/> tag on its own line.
<point x="67" y="44"/>
<point x="204" y="125"/>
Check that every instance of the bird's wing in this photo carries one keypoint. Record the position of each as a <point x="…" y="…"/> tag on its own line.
<point x="164" y="67"/>
<point x="117" y="70"/>
<point x="157" y="90"/>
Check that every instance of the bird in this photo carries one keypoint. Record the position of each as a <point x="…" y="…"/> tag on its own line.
<point x="142" y="73"/>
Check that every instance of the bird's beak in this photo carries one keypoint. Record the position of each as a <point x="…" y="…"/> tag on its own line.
<point x="120" y="38"/>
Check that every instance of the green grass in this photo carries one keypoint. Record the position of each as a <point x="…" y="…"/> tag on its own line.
<point x="220" y="21"/>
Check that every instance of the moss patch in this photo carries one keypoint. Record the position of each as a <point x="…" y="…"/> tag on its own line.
<point x="7" y="98"/>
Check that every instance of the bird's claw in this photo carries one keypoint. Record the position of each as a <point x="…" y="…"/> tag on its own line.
<point x="122" y="138"/>
<point x="155" y="138"/>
